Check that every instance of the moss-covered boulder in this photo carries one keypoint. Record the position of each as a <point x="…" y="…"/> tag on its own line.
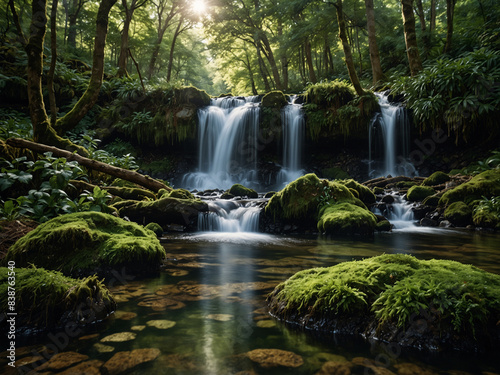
<point x="192" y="95"/>
<point x="155" y="228"/>
<point x="48" y="299"/>
<point x="88" y="242"/>
<point x="383" y="226"/>
<point x="431" y="200"/>
<point x="388" y="297"/>
<point x="485" y="184"/>
<point x="437" y="178"/>
<point x="164" y="211"/>
<point x="130" y="193"/>
<point x="346" y="219"/>
<point x="239" y="190"/>
<point x="181" y="193"/>
<point x="365" y="194"/>
<point x="419" y="193"/>
<point x="274" y="99"/>
<point x="459" y="214"/>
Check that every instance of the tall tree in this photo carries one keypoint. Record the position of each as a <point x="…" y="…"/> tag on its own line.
<point x="182" y="26"/>
<point x="72" y="10"/>
<point x="124" y="49"/>
<point x="347" y="49"/>
<point x="377" y="72"/>
<point x="53" y="60"/>
<point x="42" y="129"/>
<point x="450" y="14"/>
<point x="425" y="34"/>
<point x="411" y="37"/>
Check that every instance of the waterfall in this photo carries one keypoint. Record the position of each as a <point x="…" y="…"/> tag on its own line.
<point x="293" y="127"/>
<point x="227" y="144"/>
<point x="399" y="212"/>
<point x="229" y="216"/>
<point x="389" y="137"/>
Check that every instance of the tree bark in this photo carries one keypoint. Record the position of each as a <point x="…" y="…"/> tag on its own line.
<point x="432" y="22"/>
<point x="72" y="13"/>
<point x="268" y="52"/>
<point x="172" y="48"/>
<point x="124" y="174"/>
<point x="122" y="59"/>
<point x="262" y="68"/>
<point x="53" y="60"/>
<point x="310" y="66"/>
<point x="21" y="37"/>
<point x="378" y="74"/>
<point x="425" y="34"/>
<point x="89" y="98"/>
<point x="450" y="13"/>
<point x="411" y="37"/>
<point x="347" y="50"/>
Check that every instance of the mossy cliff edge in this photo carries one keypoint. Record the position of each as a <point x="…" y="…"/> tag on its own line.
<point x="87" y="242"/>
<point x="433" y="304"/>
<point x="330" y="207"/>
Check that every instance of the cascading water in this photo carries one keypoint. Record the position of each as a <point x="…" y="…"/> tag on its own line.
<point x="230" y="216"/>
<point x="399" y="212"/>
<point x="389" y="137"/>
<point x="227" y="144"/>
<point x="293" y="127"/>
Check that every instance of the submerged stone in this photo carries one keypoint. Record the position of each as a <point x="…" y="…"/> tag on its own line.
<point x="101" y="348"/>
<point x="161" y="324"/>
<point x="128" y="360"/>
<point x="269" y="358"/>
<point x="47" y="299"/>
<point x="85" y="368"/>
<point x="86" y="242"/>
<point x="120" y="337"/>
<point x="366" y="298"/>
<point x="61" y="361"/>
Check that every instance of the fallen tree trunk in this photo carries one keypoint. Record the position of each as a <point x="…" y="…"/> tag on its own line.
<point x="124" y="174"/>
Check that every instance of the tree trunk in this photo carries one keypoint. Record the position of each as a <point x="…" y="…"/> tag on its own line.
<point x="124" y="174"/>
<point x="411" y="37"/>
<point x="172" y="48"/>
<point x="74" y="9"/>
<point x="53" y="60"/>
<point x="250" y="74"/>
<point x="122" y="59"/>
<point x="425" y="34"/>
<point x="450" y="12"/>
<point x="268" y="52"/>
<point x="283" y="59"/>
<point x="432" y="22"/>
<point x="378" y="74"/>
<point x="89" y="98"/>
<point x="262" y="68"/>
<point x="307" y="48"/>
<point x="347" y="50"/>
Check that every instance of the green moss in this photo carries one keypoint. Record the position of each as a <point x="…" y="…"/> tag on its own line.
<point x="354" y="193"/>
<point x="437" y="178"/>
<point x="46" y="299"/>
<point x="486" y="184"/>
<point x="384" y="226"/>
<point x="85" y="242"/>
<point x="274" y="99"/>
<point x="419" y="193"/>
<point x="191" y="95"/>
<point x="181" y="194"/>
<point x="335" y="173"/>
<point x="485" y="219"/>
<point x="269" y="194"/>
<point x="405" y="184"/>
<point x="155" y="228"/>
<point x="346" y="219"/>
<point x="431" y="200"/>
<point x="130" y="193"/>
<point x="329" y="94"/>
<point x="242" y="191"/>
<point x="301" y="198"/>
<point x="378" y="190"/>
<point x="365" y="194"/>
<point x="393" y="289"/>
<point x="459" y="214"/>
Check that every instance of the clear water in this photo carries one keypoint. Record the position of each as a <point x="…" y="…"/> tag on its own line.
<point x="214" y="288"/>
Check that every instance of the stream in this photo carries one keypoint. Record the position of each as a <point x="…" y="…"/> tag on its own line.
<point x="206" y="309"/>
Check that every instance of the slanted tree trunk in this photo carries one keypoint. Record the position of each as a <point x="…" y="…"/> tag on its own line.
<point x="124" y="174"/>
<point x="450" y="13"/>
<point x="177" y="32"/>
<point x="347" y="50"/>
<point x="378" y="74"/>
<point x="411" y="37"/>
<point x="268" y="52"/>
<point x="89" y="98"/>
<point x="262" y="68"/>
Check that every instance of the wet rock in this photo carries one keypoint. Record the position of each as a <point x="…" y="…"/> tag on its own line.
<point x="161" y="324"/>
<point x="89" y="337"/>
<point x="335" y="368"/>
<point x="177" y="361"/>
<point x="28" y="360"/>
<point x="412" y="369"/>
<point x="137" y="328"/>
<point x="445" y="224"/>
<point x="120" y="337"/>
<point x="101" y="348"/>
<point x="85" y="368"/>
<point x="128" y="360"/>
<point x="61" y="361"/>
<point x="421" y="211"/>
<point x="319" y="359"/>
<point x="367" y="366"/>
<point x="125" y="315"/>
<point x="266" y="323"/>
<point x="426" y="222"/>
<point x="388" y="199"/>
<point x="162" y="303"/>
<point x="268" y="358"/>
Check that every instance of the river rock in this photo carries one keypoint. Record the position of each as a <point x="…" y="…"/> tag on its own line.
<point x="388" y="199"/>
<point x="161" y="324"/>
<point x="268" y="358"/>
<point x="61" y="361"/>
<point x="101" y="348"/>
<point x="426" y="222"/>
<point x="85" y="368"/>
<point x="335" y="368"/>
<point x="128" y="360"/>
<point x="120" y="337"/>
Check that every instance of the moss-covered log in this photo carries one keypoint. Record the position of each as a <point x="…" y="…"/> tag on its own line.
<point x="87" y="242"/>
<point x="48" y="299"/>
<point x="124" y="174"/>
<point x="388" y="297"/>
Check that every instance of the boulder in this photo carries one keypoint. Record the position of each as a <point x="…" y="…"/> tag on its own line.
<point x="419" y="193"/>
<point x="437" y="178"/>
<point x="239" y="190"/>
<point x="86" y="243"/>
<point x="269" y="358"/>
<point x="459" y="214"/>
<point x="346" y="219"/>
